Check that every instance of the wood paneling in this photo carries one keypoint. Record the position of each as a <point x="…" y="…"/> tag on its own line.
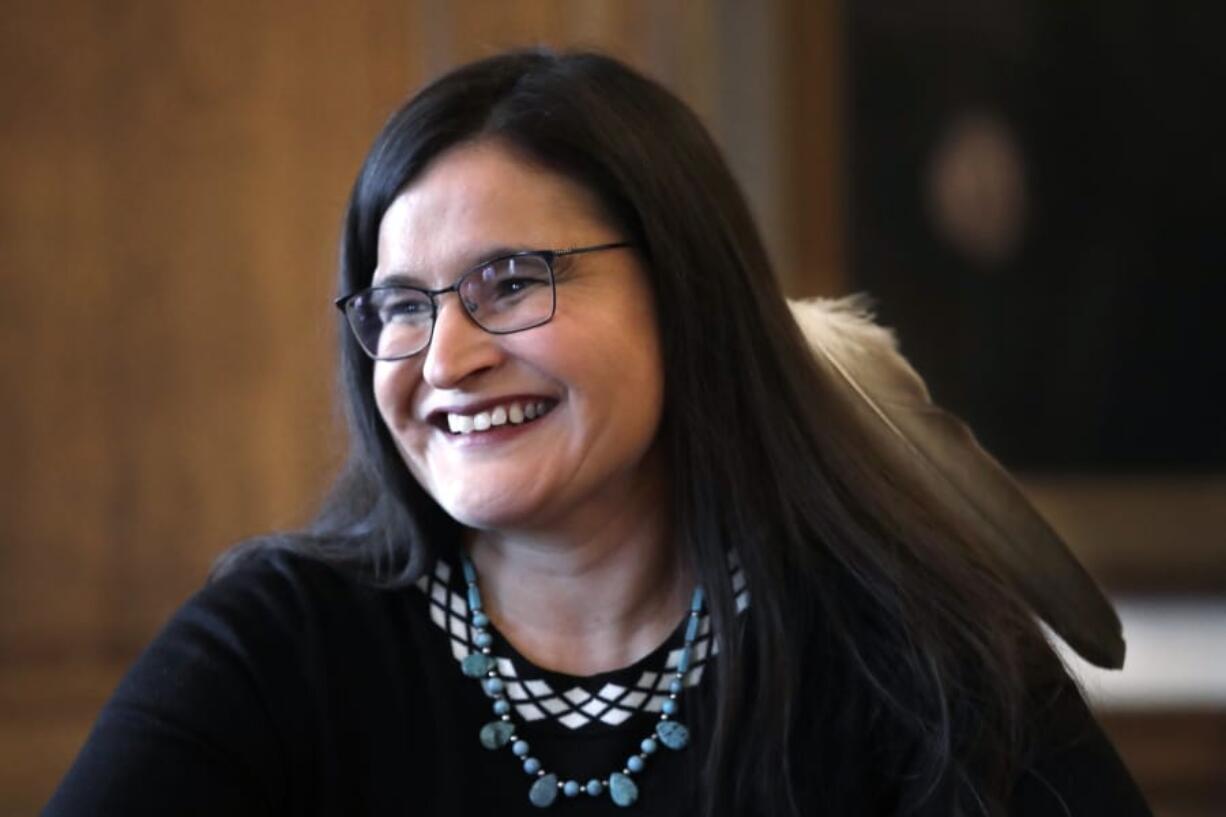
<point x="174" y="179"/>
<point x="175" y="175"/>
<point x="46" y="710"/>
<point x="1177" y="757"/>
<point x="1141" y="534"/>
<point x="811" y="148"/>
<point x="673" y="41"/>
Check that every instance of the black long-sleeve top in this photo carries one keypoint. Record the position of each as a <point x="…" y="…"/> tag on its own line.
<point x="286" y="688"/>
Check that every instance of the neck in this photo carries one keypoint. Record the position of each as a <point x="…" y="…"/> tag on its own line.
<point x="593" y="596"/>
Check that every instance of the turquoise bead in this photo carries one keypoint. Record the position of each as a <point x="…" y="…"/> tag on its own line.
<point x="672" y="734"/>
<point x="544" y="791"/>
<point x="545" y="788"/>
<point x="495" y="734"/>
<point x="622" y="789"/>
<point x="476" y="665"/>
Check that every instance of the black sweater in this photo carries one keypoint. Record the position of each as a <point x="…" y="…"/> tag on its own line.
<point x="287" y="689"/>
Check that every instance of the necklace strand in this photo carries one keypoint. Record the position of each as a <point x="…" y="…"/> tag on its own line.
<point x="546" y="786"/>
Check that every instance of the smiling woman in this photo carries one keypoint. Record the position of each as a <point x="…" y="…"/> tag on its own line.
<point x="609" y="531"/>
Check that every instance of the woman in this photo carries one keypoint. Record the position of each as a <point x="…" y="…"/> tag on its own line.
<point x="662" y="566"/>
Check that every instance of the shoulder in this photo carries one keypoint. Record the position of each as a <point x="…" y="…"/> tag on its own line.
<point x="265" y="624"/>
<point x="280" y="574"/>
<point x="273" y="597"/>
<point x="282" y="642"/>
<point x="299" y="582"/>
<point x="281" y="608"/>
<point x="276" y="579"/>
<point x="258" y="694"/>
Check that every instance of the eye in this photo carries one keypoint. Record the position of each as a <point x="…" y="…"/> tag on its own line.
<point x="513" y="286"/>
<point x="513" y="277"/>
<point x="401" y="306"/>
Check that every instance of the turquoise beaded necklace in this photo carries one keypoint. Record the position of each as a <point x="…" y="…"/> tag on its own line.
<point x="501" y="732"/>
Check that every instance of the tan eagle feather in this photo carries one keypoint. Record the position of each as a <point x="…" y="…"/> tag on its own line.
<point x="938" y="452"/>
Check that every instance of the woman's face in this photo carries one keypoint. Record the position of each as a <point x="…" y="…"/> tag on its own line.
<point x="594" y="369"/>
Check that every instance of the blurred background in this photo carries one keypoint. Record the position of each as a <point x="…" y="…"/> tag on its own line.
<point x="1032" y="191"/>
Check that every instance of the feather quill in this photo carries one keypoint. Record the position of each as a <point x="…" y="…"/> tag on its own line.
<point x="938" y="452"/>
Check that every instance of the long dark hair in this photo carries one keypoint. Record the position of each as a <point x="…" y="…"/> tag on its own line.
<point x="876" y="648"/>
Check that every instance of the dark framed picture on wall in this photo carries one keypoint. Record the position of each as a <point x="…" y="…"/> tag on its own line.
<point x="1036" y="204"/>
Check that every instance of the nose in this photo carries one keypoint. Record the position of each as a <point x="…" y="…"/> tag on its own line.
<point x="459" y="348"/>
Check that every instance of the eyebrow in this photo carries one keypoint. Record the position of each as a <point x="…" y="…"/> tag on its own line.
<point x="484" y="256"/>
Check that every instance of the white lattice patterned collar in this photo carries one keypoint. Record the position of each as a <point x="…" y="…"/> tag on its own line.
<point x="536" y="699"/>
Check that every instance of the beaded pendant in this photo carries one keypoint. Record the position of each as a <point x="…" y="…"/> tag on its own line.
<point x="500" y="732"/>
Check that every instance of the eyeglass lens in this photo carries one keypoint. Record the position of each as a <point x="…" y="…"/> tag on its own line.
<point x="503" y="296"/>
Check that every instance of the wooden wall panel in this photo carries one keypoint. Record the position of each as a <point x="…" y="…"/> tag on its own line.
<point x="1177" y="757"/>
<point x="175" y="175"/>
<point x="811" y="148"/>
<point x="676" y="42"/>
<point x="174" y="179"/>
<point x="1141" y="534"/>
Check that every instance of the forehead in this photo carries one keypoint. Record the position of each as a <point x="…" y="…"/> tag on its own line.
<point x="477" y="197"/>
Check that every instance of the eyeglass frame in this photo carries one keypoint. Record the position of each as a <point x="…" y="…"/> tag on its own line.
<point x="548" y="256"/>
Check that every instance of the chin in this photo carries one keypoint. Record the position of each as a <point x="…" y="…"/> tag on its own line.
<point x="490" y="513"/>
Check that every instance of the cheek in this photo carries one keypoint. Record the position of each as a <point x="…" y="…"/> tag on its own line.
<point x="615" y="354"/>
<point x="393" y="384"/>
<point x="648" y="375"/>
<point x="383" y="391"/>
<point x="626" y="381"/>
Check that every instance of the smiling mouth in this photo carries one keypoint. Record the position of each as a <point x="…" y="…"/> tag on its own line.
<point x="513" y="413"/>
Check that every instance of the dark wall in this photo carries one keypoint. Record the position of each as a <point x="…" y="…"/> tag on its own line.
<point x="1037" y="201"/>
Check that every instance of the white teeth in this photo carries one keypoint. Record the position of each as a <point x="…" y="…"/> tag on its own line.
<point x="514" y="413"/>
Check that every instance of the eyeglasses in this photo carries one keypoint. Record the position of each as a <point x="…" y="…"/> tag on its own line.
<point x="502" y="296"/>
